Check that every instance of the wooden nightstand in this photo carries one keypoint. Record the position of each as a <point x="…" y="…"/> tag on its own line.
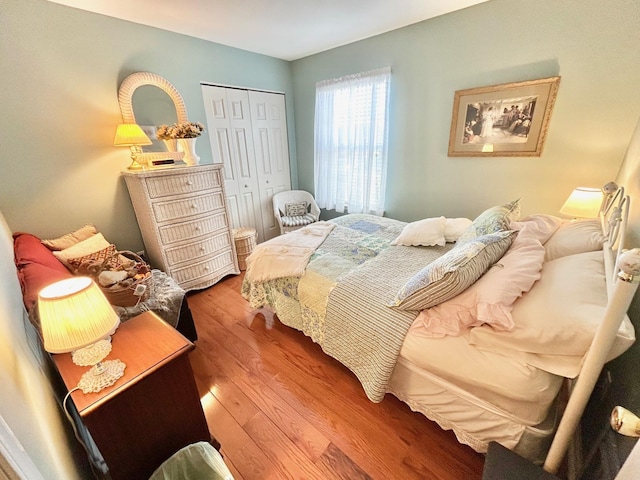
<point x="153" y="410"/>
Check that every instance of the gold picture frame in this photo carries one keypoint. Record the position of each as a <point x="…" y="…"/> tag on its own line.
<point x="508" y="120"/>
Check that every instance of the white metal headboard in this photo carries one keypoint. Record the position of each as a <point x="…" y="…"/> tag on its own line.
<point x="623" y="276"/>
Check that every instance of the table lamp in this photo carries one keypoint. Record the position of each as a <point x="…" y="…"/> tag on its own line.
<point x="76" y="317"/>
<point x="131" y="135"/>
<point x="583" y="203"/>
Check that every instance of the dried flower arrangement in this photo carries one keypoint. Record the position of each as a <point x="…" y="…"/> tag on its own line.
<point x="180" y="130"/>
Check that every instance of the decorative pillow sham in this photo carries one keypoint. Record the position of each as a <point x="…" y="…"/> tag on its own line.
<point x="70" y="239"/>
<point x="491" y="298"/>
<point x="86" y="247"/>
<point x="295" y="209"/>
<point x="556" y="320"/>
<point x="494" y="219"/>
<point x="106" y="257"/>
<point x="576" y="236"/>
<point x="453" y="272"/>
<point x="455" y="227"/>
<point x="426" y="232"/>
<point x="540" y="225"/>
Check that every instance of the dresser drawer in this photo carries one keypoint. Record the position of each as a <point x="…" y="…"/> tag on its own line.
<point x="197" y="249"/>
<point x="183" y="183"/>
<point x="201" y="269"/>
<point x="195" y="228"/>
<point x="187" y="207"/>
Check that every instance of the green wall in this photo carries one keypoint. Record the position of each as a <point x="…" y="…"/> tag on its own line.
<point x="61" y="68"/>
<point x="591" y="44"/>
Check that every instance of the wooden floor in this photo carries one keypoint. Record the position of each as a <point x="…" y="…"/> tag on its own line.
<point x="283" y="409"/>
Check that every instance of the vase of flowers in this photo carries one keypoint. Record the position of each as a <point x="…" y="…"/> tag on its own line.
<point x="185" y="135"/>
<point x="165" y="133"/>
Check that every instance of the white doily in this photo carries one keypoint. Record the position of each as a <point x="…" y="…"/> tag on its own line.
<point x="102" y="375"/>
<point x="92" y="354"/>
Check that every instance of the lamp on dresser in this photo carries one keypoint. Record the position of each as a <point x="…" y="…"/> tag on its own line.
<point x="76" y="317"/>
<point x="131" y="135"/>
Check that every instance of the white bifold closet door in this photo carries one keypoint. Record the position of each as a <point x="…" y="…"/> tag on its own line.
<point x="248" y="135"/>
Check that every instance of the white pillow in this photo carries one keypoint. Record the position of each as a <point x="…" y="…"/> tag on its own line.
<point x="576" y="236"/>
<point x="541" y="225"/>
<point x="70" y="239"/>
<point x="93" y="244"/>
<point x="455" y="227"/>
<point x="491" y="298"/>
<point x="427" y="232"/>
<point x="558" y="317"/>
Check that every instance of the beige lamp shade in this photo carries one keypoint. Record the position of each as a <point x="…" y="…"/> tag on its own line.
<point x="130" y="134"/>
<point x="74" y="313"/>
<point x="583" y="203"/>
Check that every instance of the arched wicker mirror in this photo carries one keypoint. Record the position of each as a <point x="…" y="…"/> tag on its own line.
<point x="125" y="99"/>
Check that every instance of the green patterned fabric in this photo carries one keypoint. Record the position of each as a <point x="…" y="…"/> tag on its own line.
<point x="342" y="300"/>
<point x="494" y="219"/>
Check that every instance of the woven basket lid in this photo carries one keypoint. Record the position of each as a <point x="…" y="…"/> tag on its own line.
<point x="243" y="233"/>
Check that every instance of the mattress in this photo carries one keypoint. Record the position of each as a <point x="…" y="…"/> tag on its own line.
<point x="511" y="386"/>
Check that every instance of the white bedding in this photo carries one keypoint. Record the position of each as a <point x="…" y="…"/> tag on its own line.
<point x="515" y="387"/>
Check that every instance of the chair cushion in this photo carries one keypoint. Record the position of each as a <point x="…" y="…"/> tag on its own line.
<point x="298" y="220"/>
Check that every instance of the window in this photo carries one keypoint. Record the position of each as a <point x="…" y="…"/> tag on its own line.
<point x="350" y="147"/>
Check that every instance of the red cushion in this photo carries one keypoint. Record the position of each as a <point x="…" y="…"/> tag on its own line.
<point x="37" y="267"/>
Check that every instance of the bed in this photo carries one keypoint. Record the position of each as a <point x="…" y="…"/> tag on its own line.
<point x="474" y="324"/>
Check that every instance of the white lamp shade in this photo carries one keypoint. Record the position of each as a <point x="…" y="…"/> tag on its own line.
<point x="130" y="134"/>
<point x="74" y="313"/>
<point x="583" y="203"/>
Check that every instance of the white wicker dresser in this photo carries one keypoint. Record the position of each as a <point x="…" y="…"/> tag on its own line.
<point x="183" y="216"/>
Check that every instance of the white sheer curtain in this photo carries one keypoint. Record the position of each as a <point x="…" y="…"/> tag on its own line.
<point x="350" y="146"/>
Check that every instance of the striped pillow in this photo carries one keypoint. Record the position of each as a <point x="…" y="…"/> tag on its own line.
<point x="298" y="220"/>
<point x="453" y="272"/>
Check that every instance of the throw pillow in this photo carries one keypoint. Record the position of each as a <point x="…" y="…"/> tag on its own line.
<point x="295" y="209"/>
<point x="70" y="239"/>
<point x="102" y="258"/>
<point x="453" y="272"/>
<point x="491" y="298"/>
<point x="426" y="232"/>
<point x="494" y="219"/>
<point x="90" y="245"/>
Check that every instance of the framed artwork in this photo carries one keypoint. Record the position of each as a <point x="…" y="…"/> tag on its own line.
<point x="508" y="120"/>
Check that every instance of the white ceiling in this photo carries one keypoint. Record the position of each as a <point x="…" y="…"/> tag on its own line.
<point x="286" y="29"/>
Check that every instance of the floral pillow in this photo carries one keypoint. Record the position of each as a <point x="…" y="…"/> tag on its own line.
<point x="494" y="219"/>
<point x="453" y="272"/>
<point x="295" y="209"/>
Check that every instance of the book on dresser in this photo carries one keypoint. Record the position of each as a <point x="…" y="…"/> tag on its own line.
<point x="184" y="220"/>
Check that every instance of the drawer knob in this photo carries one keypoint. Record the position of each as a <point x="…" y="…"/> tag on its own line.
<point x="189" y="182"/>
<point x="207" y="268"/>
<point x="194" y="206"/>
<point x="197" y="229"/>
<point x="202" y="249"/>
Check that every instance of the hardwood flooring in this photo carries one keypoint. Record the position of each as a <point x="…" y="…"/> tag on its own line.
<point x="282" y="409"/>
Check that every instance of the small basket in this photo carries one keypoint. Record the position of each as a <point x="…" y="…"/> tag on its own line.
<point x="129" y="295"/>
<point x="245" y="241"/>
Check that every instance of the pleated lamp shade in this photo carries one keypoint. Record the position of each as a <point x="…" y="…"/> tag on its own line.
<point x="130" y="134"/>
<point x="74" y="313"/>
<point x="583" y="203"/>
